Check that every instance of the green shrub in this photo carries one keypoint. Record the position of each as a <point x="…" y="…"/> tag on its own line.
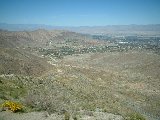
<point x="66" y="116"/>
<point x="75" y="118"/>
<point x="135" y="116"/>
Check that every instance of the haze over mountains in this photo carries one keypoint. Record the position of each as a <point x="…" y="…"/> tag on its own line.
<point x="151" y="29"/>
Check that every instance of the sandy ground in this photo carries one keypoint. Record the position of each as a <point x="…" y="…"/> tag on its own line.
<point x="7" y="115"/>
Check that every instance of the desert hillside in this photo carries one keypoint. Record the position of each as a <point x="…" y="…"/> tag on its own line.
<point x="58" y="74"/>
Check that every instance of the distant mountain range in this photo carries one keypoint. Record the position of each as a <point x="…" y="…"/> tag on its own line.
<point x="109" y="29"/>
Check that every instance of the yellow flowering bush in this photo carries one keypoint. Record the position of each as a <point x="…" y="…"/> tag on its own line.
<point x="13" y="106"/>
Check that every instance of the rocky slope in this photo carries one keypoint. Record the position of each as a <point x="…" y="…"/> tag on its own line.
<point x="20" y="62"/>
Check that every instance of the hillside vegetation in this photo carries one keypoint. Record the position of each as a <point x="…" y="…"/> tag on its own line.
<point x="66" y="75"/>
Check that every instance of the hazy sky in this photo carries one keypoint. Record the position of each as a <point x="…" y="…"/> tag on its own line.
<point x="80" y="12"/>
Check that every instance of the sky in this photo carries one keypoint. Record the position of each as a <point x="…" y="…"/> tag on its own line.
<point x="80" y="12"/>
